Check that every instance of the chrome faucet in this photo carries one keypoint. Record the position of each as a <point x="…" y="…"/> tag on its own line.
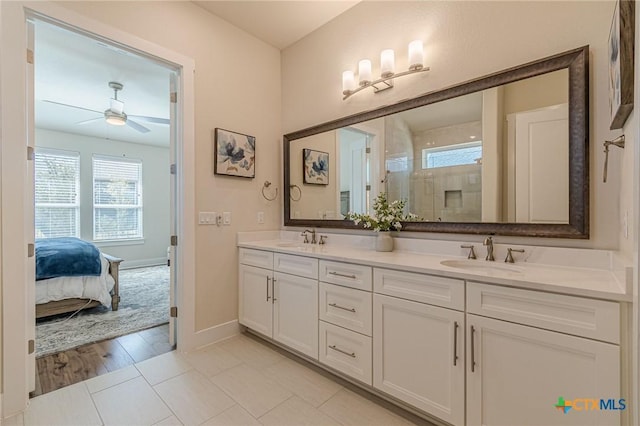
<point x="313" y="235"/>
<point x="489" y="243"/>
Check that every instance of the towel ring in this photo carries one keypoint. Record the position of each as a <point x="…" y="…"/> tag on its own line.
<point x="266" y="185"/>
<point x="299" y="192"/>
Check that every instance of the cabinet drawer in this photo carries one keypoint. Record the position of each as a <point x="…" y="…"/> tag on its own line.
<point x="596" y="319"/>
<point x="296" y="265"/>
<point x="259" y="258"/>
<point x="346" y="351"/>
<point x="346" y="274"/>
<point x="439" y="291"/>
<point x="346" y="307"/>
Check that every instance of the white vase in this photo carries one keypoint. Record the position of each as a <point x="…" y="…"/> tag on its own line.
<point x="384" y="241"/>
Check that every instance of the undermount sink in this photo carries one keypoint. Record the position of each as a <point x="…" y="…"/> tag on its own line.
<point x="481" y="266"/>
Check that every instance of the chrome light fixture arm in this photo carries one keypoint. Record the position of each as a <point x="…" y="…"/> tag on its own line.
<point x="382" y="83"/>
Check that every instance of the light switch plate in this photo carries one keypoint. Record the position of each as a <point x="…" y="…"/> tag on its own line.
<point x="261" y="217"/>
<point x="226" y="218"/>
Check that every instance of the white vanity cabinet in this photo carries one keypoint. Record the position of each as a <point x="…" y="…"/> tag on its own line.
<point x="278" y="304"/>
<point x="517" y="372"/>
<point x="418" y="348"/>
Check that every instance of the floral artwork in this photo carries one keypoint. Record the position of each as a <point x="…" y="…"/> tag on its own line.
<point x="621" y="57"/>
<point x="315" y="167"/>
<point x="234" y="154"/>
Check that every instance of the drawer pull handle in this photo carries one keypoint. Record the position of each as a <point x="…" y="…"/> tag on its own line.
<point x="455" y="342"/>
<point x="342" y="307"/>
<point x="473" y="355"/>
<point x="338" y="274"/>
<point x="351" y="354"/>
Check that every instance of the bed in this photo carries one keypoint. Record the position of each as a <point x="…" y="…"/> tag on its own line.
<point x="72" y="274"/>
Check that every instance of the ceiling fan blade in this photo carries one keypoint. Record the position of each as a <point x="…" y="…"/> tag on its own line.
<point x="117" y="106"/>
<point x="137" y="126"/>
<point x="91" y="120"/>
<point x="71" y="106"/>
<point x="155" y="120"/>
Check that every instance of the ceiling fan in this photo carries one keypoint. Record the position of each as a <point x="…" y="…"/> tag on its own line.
<point x="115" y="114"/>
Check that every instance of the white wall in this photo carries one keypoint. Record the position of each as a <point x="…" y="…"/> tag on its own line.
<point x="155" y="193"/>
<point x="463" y="40"/>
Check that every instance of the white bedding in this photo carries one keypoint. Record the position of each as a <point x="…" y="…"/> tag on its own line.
<point x="95" y="288"/>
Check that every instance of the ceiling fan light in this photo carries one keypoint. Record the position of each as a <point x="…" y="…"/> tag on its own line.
<point x="114" y="118"/>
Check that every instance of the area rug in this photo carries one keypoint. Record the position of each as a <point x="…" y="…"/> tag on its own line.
<point x="144" y="303"/>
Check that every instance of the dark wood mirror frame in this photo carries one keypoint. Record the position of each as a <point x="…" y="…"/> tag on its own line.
<point x="577" y="63"/>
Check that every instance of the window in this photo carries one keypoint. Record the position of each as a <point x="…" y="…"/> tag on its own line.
<point x="57" y="189"/>
<point x="117" y="198"/>
<point x="452" y="155"/>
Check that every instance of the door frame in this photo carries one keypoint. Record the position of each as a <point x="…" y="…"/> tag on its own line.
<point x="15" y="201"/>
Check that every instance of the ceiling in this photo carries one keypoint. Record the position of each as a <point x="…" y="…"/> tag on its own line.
<point x="74" y="69"/>
<point x="279" y="23"/>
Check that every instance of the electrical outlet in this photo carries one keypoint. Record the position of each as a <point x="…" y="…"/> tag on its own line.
<point x="260" y="218"/>
<point x="226" y="218"/>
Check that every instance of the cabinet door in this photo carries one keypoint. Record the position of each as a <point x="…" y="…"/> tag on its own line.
<point x="418" y="355"/>
<point x="516" y="374"/>
<point x="295" y="313"/>
<point x="255" y="299"/>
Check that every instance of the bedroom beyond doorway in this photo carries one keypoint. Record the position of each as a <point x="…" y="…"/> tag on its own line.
<point x="144" y="304"/>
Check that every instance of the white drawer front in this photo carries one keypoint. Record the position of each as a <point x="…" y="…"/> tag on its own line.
<point x="346" y="274"/>
<point x="259" y="258"/>
<point x="439" y="291"/>
<point x="346" y="307"/>
<point x="296" y="265"/>
<point x="346" y="351"/>
<point x="595" y="319"/>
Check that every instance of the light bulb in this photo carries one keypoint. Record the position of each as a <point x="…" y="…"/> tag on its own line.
<point x="364" y="72"/>
<point x="387" y="63"/>
<point x="416" y="55"/>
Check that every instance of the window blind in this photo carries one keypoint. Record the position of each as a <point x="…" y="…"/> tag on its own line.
<point x="57" y="189"/>
<point x="117" y="198"/>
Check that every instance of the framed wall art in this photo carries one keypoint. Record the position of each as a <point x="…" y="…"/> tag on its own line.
<point x="621" y="48"/>
<point x="315" y="167"/>
<point x="234" y="154"/>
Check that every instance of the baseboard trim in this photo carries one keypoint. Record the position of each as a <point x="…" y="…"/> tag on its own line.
<point x="213" y="334"/>
<point x="130" y="264"/>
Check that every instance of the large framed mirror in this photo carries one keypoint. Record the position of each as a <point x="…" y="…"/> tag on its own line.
<point x="504" y="154"/>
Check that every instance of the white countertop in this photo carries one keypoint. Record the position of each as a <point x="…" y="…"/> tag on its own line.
<point x="577" y="281"/>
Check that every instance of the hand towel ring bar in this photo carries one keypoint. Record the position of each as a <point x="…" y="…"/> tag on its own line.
<point x="266" y="185"/>
<point x="299" y="192"/>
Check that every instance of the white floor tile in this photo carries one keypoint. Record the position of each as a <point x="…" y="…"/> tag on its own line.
<point x="302" y="381"/>
<point x="296" y="412"/>
<point x="350" y="408"/>
<point x="193" y="398"/>
<point x="212" y="360"/>
<point x="169" y="421"/>
<point x="17" y="420"/>
<point x="105" y="381"/>
<point x="251" y="352"/>
<point x="71" y="405"/>
<point x="131" y="403"/>
<point x="251" y="389"/>
<point x="163" y="367"/>
<point x="234" y="416"/>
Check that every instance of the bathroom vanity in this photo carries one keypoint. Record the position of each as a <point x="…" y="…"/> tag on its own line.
<point x="458" y="341"/>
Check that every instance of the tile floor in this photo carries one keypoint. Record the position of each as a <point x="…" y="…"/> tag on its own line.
<point x="240" y="381"/>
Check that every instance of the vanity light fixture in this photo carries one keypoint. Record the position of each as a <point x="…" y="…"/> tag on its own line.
<point x="387" y="71"/>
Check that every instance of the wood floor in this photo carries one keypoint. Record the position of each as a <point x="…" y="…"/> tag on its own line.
<point x="62" y="369"/>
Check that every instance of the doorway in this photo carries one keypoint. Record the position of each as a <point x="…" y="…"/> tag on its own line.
<point x="105" y="138"/>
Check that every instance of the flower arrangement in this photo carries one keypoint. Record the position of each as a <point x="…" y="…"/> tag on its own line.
<point x="387" y="215"/>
